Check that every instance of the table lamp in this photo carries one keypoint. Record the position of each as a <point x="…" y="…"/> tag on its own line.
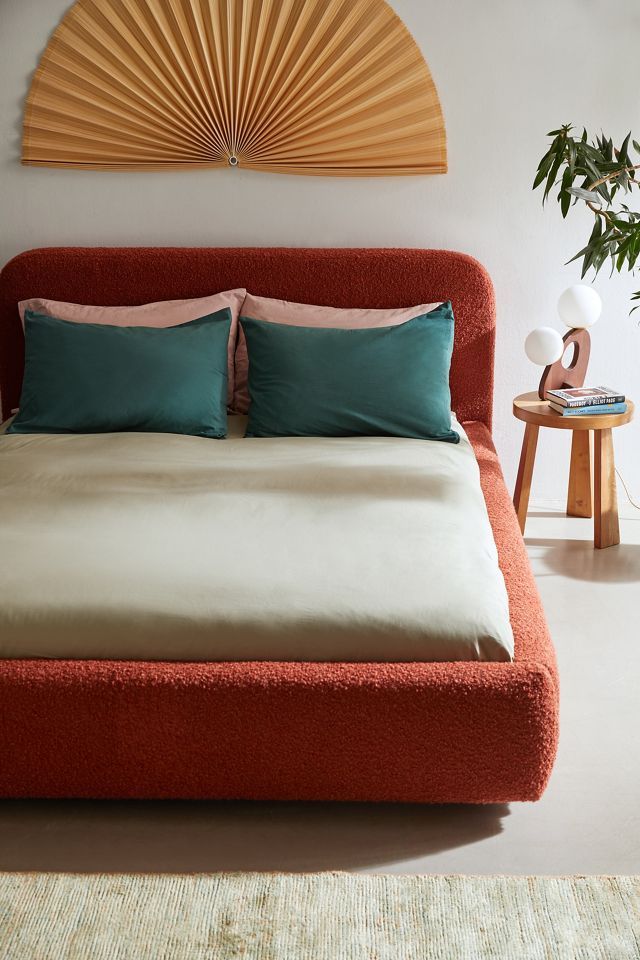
<point x="579" y="306"/>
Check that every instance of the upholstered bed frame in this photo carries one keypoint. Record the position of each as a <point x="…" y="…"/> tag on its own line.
<point x="425" y="732"/>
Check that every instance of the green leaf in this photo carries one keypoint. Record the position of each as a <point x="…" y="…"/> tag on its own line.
<point x="634" y="251"/>
<point x="587" y="195"/>
<point x="624" y="149"/>
<point x="593" y="170"/>
<point x="622" y="256"/>
<point x="543" y="169"/>
<point x="593" y="153"/>
<point x="565" y="192"/>
<point x="551" y="177"/>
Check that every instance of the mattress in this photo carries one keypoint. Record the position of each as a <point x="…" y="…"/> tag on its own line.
<point x="165" y="547"/>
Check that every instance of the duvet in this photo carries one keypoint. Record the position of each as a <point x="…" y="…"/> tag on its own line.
<point x="165" y="547"/>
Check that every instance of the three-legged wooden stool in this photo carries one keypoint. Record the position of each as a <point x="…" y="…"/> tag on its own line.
<point x="603" y="507"/>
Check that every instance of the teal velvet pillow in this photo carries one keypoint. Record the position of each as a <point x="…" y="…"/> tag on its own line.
<point x="390" y="381"/>
<point x="94" y="378"/>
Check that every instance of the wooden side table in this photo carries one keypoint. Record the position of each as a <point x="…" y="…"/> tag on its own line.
<point x="537" y="413"/>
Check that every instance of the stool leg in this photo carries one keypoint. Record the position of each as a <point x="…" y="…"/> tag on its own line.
<point x="606" y="526"/>
<point x="579" y="493"/>
<point x="525" y="473"/>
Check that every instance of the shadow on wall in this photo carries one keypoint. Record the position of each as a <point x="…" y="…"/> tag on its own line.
<point x="194" y="836"/>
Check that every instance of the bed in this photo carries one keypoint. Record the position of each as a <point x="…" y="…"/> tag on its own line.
<point x="308" y="728"/>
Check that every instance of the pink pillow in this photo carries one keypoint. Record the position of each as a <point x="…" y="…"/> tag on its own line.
<point x="166" y="313"/>
<point x="307" y="315"/>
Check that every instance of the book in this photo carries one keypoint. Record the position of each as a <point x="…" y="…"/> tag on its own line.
<point x="590" y="410"/>
<point x="585" y="396"/>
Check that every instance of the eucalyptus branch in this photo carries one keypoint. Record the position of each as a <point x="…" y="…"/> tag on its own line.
<point x="599" y="212"/>
<point x="596" y="173"/>
<point x="611" y="176"/>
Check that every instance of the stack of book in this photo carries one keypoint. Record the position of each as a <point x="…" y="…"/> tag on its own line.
<point x="586" y="401"/>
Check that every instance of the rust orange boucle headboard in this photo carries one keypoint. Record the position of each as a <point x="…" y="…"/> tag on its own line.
<point x="338" y="277"/>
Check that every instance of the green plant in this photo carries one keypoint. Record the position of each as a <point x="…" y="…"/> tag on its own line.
<point x="598" y="175"/>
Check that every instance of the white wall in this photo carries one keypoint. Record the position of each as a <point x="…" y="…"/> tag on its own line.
<point x="507" y="72"/>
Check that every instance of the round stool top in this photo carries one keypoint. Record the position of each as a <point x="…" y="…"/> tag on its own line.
<point x="530" y="408"/>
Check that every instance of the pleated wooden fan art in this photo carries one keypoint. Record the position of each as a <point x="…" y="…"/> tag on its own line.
<point x="327" y="87"/>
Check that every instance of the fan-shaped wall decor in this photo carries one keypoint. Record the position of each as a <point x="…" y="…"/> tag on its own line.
<point x="330" y="87"/>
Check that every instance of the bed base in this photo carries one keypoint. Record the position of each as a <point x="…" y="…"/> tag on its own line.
<point x="420" y="732"/>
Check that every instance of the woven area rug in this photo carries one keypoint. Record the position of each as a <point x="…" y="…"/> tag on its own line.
<point x="323" y="916"/>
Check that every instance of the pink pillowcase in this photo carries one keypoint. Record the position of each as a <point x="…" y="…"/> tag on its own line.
<point x="166" y="313"/>
<point x="308" y="315"/>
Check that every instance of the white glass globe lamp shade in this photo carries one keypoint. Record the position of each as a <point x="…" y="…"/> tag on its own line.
<point x="544" y="346"/>
<point x="579" y="306"/>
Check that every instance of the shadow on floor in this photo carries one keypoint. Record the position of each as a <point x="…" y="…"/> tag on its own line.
<point x="578" y="559"/>
<point x="184" y="836"/>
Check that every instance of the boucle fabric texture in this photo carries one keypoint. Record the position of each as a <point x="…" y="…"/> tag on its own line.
<point x="362" y="278"/>
<point x="422" y="732"/>
<point x="327" y="916"/>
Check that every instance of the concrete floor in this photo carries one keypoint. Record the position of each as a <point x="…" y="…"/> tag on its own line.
<point x="587" y="822"/>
